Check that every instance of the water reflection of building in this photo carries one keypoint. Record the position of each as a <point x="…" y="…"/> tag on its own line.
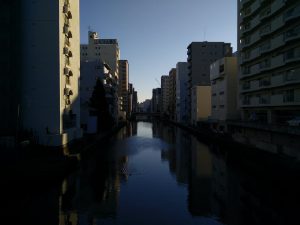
<point x="200" y="179"/>
<point x="93" y="194"/>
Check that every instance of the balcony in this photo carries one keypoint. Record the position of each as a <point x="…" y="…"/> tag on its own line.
<point x="66" y="8"/>
<point x="276" y="5"/>
<point x="292" y="14"/>
<point x="292" y="55"/>
<point x="277" y="42"/>
<point x="265" y="30"/>
<point x="66" y="29"/>
<point x="68" y="92"/>
<point x="292" y="34"/>
<point x="277" y="61"/>
<point x="265" y="13"/>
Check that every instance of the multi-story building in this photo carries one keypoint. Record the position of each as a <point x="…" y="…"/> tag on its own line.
<point x="200" y="56"/>
<point x="50" y="64"/>
<point x="269" y="48"/>
<point x="223" y="77"/>
<point x="181" y="91"/>
<point x="172" y="93"/>
<point x="201" y="104"/>
<point x="134" y="100"/>
<point x="123" y="84"/>
<point x="106" y="49"/>
<point x="156" y="100"/>
<point x="10" y="22"/>
<point x="108" y="52"/>
<point x="130" y="98"/>
<point x="165" y="99"/>
<point x="91" y="71"/>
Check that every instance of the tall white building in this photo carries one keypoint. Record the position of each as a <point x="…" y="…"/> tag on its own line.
<point x="50" y="104"/>
<point x="181" y="91"/>
<point x="224" y="83"/>
<point x="105" y="49"/>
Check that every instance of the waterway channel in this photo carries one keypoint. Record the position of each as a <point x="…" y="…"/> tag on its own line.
<point x="152" y="174"/>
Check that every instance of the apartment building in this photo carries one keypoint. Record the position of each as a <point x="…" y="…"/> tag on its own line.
<point x="165" y="99"/>
<point x="156" y="100"/>
<point x="10" y="12"/>
<point x="181" y="91"/>
<point x="106" y="49"/>
<point x="91" y="71"/>
<point x="107" y="52"/>
<point x="223" y="78"/>
<point x="123" y="84"/>
<point x="172" y="93"/>
<point x="201" y="104"/>
<point x="50" y="64"/>
<point x="269" y="72"/>
<point x="200" y="56"/>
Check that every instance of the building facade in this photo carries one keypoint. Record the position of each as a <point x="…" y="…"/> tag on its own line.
<point x="91" y="71"/>
<point x="172" y="94"/>
<point x="123" y="84"/>
<point x="165" y="98"/>
<point x="224" y="90"/>
<point x="181" y="91"/>
<point x="200" y="56"/>
<point x="10" y="12"/>
<point x="269" y="72"/>
<point x="50" y="103"/>
<point x="156" y="100"/>
<point x="201" y="104"/>
<point x="106" y="49"/>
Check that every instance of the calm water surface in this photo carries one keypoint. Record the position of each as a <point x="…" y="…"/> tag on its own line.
<point x="151" y="174"/>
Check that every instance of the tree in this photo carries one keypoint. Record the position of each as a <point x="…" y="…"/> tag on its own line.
<point x="100" y="107"/>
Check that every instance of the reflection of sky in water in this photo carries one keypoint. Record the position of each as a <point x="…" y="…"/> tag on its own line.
<point x="144" y="129"/>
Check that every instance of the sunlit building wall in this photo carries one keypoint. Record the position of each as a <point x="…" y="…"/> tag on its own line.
<point x="223" y="76"/>
<point x="200" y="56"/>
<point x="201" y="103"/>
<point x="107" y="49"/>
<point x="269" y="47"/>
<point x="50" y="108"/>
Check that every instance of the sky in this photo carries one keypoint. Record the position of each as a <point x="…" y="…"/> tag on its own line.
<point x="153" y="35"/>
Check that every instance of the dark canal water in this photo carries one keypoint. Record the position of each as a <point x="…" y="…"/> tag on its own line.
<point x="151" y="174"/>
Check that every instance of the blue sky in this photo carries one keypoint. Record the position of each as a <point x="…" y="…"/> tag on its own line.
<point x="153" y="34"/>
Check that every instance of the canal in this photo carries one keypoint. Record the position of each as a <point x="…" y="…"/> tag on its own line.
<point x="153" y="173"/>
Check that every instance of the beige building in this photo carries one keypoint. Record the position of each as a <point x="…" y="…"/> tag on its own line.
<point x="269" y="48"/>
<point x="107" y="49"/>
<point x="200" y="56"/>
<point x="50" y="104"/>
<point x="223" y="77"/>
<point x="201" y="103"/>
